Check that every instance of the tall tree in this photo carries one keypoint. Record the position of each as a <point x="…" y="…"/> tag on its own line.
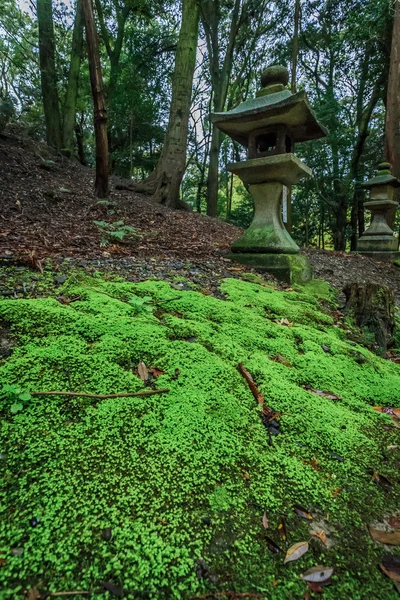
<point x="392" y="130"/>
<point x="69" y="113"/>
<point x="166" y="180"/>
<point x="100" y="111"/>
<point x="295" y="46"/>
<point x="48" y="73"/>
<point x="220" y="69"/>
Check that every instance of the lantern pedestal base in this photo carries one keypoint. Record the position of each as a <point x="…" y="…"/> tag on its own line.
<point x="290" y="268"/>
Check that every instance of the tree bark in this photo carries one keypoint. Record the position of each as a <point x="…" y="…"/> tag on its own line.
<point x="73" y="80"/>
<point x="295" y="47"/>
<point x="165" y="182"/>
<point x="392" y="129"/>
<point x="100" y="111"/>
<point x="220" y="75"/>
<point x="48" y="73"/>
<point x="363" y="120"/>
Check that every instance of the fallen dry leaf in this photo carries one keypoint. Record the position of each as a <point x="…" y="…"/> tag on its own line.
<point x="33" y="594"/>
<point x="265" y="521"/>
<point x="321" y="535"/>
<point x="156" y="372"/>
<point x="392" y="447"/>
<point x="328" y="395"/>
<point x="385" y="537"/>
<point x="302" y="512"/>
<point x="336" y="492"/>
<point x="390" y="565"/>
<point x="382" y="482"/>
<point x="296" y="551"/>
<point x="272" y="546"/>
<point x="394" y="522"/>
<point x="313" y="463"/>
<point x="143" y="371"/>
<point x="318" y="574"/>
<point x="285" y="322"/>
<point x="393" y="412"/>
<point x="281" y="529"/>
<point x="314" y="587"/>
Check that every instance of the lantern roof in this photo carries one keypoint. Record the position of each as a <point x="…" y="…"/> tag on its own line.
<point x="274" y="105"/>
<point x="383" y="177"/>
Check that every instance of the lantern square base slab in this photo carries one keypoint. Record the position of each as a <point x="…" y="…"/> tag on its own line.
<point x="382" y="256"/>
<point x="290" y="268"/>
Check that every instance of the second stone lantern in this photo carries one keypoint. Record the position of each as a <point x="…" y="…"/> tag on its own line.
<point x="269" y="126"/>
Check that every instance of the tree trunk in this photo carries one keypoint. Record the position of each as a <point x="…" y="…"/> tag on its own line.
<point x="48" y="73"/>
<point x="73" y="79"/>
<point x="212" y="180"/>
<point x="372" y="307"/>
<point x="100" y="111"/>
<point x="295" y="47"/>
<point x="172" y="163"/>
<point x="363" y="120"/>
<point x="79" y="142"/>
<point x="392" y="129"/>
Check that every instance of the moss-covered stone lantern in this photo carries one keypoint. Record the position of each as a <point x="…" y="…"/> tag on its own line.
<point x="379" y="241"/>
<point x="269" y="126"/>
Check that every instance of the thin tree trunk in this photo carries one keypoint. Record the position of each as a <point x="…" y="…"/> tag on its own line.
<point x="73" y="80"/>
<point x="100" y="111"/>
<point x="220" y="75"/>
<point x="79" y="143"/>
<point x="392" y="129"/>
<point x="48" y="73"/>
<point x="295" y="47"/>
<point x="363" y="123"/>
<point x="212" y="181"/>
<point x="171" y="166"/>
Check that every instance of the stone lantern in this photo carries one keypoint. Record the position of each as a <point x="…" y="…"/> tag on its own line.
<point x="269" y="126"/>
<point x="379" y="241"/>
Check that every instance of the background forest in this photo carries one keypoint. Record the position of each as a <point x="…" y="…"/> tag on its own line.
<point x="339" y="52"/>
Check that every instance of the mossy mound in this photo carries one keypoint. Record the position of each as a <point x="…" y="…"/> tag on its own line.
<point x="182" y="479"/>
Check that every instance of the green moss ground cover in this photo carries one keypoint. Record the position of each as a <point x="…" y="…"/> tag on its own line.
<point x="183" y="479"/>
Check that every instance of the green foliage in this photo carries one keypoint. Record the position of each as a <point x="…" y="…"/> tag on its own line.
<point x="16" y="395"/>
<point x="114" y="232"/>
<point x="152" y="469"/>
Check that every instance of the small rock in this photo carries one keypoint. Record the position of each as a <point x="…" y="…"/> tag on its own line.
<point x="60" y="279"/>
<point x="106" y="534"/>
<point x="17" y="551"/>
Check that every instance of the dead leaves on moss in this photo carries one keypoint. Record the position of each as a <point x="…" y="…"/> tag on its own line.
<point x="393" y="412"/>
<point x="302" y="512"/>
<point x="321" y="535"/>
<point x="382" y="482"/>
<point x="296" y="551"/>
<point x="390" y="565"/>
<point x="328" y="395"/>
<point x="392" y="538"/>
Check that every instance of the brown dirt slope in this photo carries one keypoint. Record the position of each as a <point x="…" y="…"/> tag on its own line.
<point x="48" y="209"/>
<point x="47" y="206"/>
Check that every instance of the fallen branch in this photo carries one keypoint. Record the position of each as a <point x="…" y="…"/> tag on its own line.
<point x="76" y="593"/>
<point x="102" y="396"/>
<point x="250" y="382"/>
<point x="230" y="595"/>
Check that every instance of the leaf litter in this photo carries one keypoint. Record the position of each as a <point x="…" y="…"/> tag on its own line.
<point x="296" y="551"/>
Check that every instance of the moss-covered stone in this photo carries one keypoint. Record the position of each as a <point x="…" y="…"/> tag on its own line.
<point x="183" y="479"/>
<point x="290" y="268"/>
